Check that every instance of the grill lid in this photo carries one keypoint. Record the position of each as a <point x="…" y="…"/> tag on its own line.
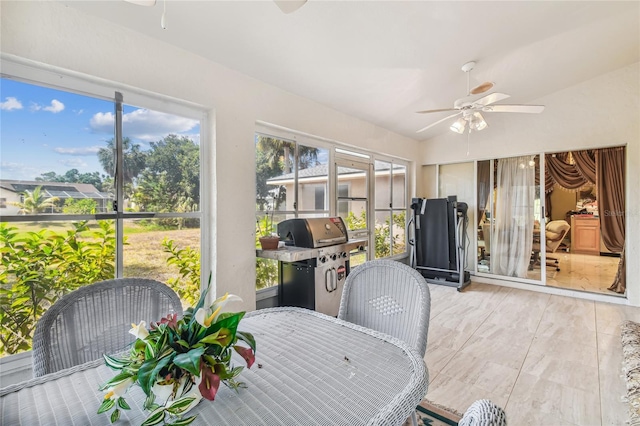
<point x="313" y="232"/>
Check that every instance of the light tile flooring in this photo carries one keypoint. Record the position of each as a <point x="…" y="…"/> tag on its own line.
<point x="584" y="272"/>
<point x="546" y="359"/>
<point x="581" y="272"/>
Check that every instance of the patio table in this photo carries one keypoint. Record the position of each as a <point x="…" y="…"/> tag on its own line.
<point x="310" y="369"/>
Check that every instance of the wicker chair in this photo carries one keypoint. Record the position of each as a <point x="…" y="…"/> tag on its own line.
<point x="483" y="413"/>
<point x="96" y="319"/>
<point x="389" y="297"/>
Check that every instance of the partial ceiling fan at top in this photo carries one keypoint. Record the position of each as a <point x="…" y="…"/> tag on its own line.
<point x="470" y="110"/>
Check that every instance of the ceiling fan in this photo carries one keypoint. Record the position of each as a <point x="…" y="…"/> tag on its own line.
<point x="470" y="110"/>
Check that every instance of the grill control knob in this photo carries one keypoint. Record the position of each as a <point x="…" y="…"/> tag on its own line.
<point x="334" y="256"/>
<point x="322" y="259"/>
<point x="343" y="254"/>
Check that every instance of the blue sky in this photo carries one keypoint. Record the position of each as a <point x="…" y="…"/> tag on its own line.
<point x="43" y="130"/>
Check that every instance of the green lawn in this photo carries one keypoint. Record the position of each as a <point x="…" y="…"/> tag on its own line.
<point x="143" y="252"/>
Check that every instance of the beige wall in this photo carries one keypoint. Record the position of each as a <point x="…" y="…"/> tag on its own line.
<point x="10" y="197"/>
<point x="561" y="202"/>
<point x="306" y="195"/>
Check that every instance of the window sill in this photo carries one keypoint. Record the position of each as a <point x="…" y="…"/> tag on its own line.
<point x="16" y="368"/>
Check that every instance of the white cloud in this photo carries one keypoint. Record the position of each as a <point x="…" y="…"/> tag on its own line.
<point x="55" y="107"/>
<point x="74" y="163"/>
<point x="78" y="111"/>
<point x="195" y="137"/>
<point x="89" y="150"/>
<point x="143" y="124"/>
<point x="18" y="171"/>
<point x="10" y="104"/>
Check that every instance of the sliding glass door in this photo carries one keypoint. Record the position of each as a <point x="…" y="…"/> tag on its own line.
<point x="510" y="218"/>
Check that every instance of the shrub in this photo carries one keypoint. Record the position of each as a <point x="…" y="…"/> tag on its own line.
<point x="40" y="267"/>
<point x="188" y="262"/>
<point x="84" y="206"/>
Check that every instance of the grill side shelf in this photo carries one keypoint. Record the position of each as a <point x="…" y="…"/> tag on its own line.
<point x="288" y="254"/>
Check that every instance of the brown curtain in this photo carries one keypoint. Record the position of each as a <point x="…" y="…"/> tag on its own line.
<point x="585" y="162"/>
<point x="484" y="176"/>
<point x="564" y="174"/>
<point x="610" y="183"/>
<point x="610" y="167"/>
<point x="620" y="281"/>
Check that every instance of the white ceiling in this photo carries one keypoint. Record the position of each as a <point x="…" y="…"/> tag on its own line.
<point x="384" y="60"/>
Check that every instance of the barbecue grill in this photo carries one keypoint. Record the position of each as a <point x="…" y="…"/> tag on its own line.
<point x="312" y="273"/>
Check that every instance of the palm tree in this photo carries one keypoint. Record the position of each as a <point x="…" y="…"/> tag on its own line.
<point x="279" y="156"/>
<point x="134" y="159"/>
<point x="34" y="202"/>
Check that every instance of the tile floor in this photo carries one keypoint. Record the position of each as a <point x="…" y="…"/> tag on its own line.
<point x="546" y="359"/>
<point x="584" y="272"/>
<point x="581" y="272"/>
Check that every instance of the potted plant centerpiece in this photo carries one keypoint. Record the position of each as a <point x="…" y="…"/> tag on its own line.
<point x="179" y="361"/>
<point x="266" y="230"/>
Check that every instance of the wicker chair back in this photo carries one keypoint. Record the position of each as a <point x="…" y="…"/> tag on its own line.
<point x="389" y="297"/>
<point x="95" y="319"/>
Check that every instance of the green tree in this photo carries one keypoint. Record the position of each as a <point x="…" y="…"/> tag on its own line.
<point x="34" y="202"/>
<point x="171" y="180"/>
<point x="74" y="176"/>
<point x="134" y="159"/>
<point x="382" y="233"/>
<point x="274" y="157"/>
<point x="83" y="206"/>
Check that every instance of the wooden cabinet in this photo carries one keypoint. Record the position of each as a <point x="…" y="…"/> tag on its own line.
<point x="585" y="234"/>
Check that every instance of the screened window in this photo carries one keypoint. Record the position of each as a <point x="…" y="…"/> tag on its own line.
<point x="84" y="205"/>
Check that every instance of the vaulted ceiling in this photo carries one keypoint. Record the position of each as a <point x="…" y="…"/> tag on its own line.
<point x="383" y="60"/>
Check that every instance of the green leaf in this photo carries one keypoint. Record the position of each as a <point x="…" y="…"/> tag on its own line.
<point x="230" y="322"/>
<point x="115" y="363"/>
<point x="123" y="404"/>
<point x="155" y="418"/>
<point x="149" y="351"/>
<point x="179" y="405"/>
<point x="183" y="343"/>
<point x="183" y="422"/>
<point x="118" y="378"/>
<point x="247" y="338"/>
<point x="106" y="405"/>
<point x="211" y="339"/>
<point x="115" y="416"/>
<point x="149" y="402"/>
<point x="156" y="370"/>
<point x="145" y="375"/>
<point x="190" y="361"/>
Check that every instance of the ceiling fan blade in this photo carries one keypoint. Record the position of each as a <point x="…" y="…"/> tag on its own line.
<point x="436" y="110"/>
<point x="438" y="122"/>
<point x="531" y="109"/>
<point x="484" y="87"/>
<point x="491" y="98"/>
<point x="142" y="2"/>
<point x="289" y="6"/>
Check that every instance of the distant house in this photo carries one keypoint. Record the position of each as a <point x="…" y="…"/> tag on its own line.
<point x="313" y="191"/>
<point x="11" y="191"/>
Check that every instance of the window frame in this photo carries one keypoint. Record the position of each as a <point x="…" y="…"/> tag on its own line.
<point x="54" y="78"/>
<point x="341" y="151"/>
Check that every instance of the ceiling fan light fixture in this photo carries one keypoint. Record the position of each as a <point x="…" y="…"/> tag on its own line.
<point x="477" y="122"/>
<point x="459" y="125"/>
